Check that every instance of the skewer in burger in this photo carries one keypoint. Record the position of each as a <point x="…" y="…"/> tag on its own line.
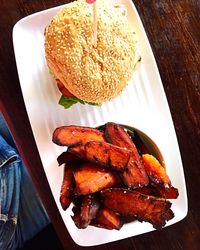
<point x="86" y="72"/>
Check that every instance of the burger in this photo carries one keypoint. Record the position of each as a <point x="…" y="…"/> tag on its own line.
<point x="86" y="72"/>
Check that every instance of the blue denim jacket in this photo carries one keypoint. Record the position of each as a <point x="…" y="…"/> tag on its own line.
<point x="22" y="214"/>
<point x="10" y="179"/>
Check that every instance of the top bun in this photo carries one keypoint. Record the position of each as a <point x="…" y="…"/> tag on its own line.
<point x="92" y="74"/>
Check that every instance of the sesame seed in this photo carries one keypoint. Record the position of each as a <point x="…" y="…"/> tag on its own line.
<point x="92" y="74"/>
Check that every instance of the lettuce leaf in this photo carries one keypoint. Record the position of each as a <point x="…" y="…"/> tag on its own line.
<point x="67" y="102"/>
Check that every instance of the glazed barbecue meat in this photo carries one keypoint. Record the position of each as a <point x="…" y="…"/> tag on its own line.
<point x="91" y="178"/>
<point x="108" y="219"/>
<point x="67" y="187"/>
<point x="104" y="154"/>
<point x="76" y="135"/>
<point x="135" y="174"/>
<point x="145" y="208"/>
<point x="110" y="180"/>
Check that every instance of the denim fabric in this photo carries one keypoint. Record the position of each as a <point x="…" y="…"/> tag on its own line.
<point x="10" y="179"/>
<point x="22" y="214"/>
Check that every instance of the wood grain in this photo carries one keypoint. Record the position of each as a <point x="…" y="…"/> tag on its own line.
<point x="173" y="29"/>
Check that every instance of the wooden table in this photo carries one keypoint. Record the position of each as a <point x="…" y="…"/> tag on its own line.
<point x="173" y="29"/>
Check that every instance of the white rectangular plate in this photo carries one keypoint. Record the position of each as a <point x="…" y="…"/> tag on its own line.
<point x="142" y="105"/>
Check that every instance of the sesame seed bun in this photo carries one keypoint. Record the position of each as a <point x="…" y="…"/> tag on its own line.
<point x="92" y="74"/>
